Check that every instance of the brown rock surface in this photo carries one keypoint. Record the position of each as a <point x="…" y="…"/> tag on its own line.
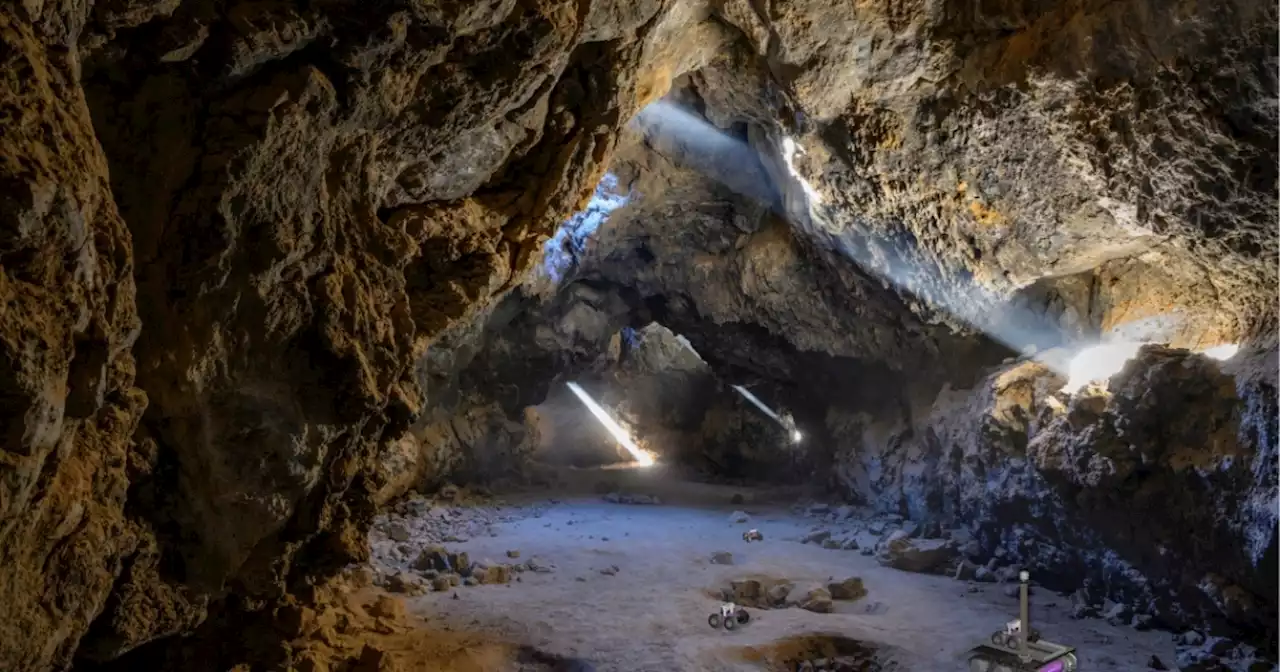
<point x="297" y="186"/>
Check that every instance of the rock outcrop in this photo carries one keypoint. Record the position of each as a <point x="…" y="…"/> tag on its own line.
<point x="1158" y="492"/>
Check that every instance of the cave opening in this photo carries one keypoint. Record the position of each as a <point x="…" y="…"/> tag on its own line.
<point x="652" y="336"/>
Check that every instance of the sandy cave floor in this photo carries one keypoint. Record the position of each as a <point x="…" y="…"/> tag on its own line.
<point x="650" y="613"/>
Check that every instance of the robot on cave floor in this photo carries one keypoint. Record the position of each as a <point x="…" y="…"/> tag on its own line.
<point x="729" y="616"/>
<point x="1019" y="648"/>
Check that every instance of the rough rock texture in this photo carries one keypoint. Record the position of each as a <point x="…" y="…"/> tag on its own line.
<point x="324" y="209"/>
<point x="1158" y="492"/>
<point x="69" y="406"/>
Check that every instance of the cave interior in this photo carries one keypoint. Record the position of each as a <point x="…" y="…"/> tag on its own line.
<point x="844" y="313"/>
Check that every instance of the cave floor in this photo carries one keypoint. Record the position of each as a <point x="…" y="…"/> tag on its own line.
<point x="650" y="613"/>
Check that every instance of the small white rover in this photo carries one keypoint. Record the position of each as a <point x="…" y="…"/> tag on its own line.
<point x="729" y="616"/>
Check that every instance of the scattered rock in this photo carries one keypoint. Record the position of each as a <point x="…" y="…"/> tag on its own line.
<point x="817" y="600"/>
<point x="739" y="517"/>
<point x="845" y="512"/>
<point x="1007" y="574"/>
<point x="849" y="589"/>
<point x="513" y="554"/>
<point x="965" y="570"/>
<point x="387" y="607"/>
<point x="373" y="659"/>
<point x="537" y="565"/>
<point x="441" y="560"/>
<point x="610" y="570"/>
<point x="816" y="537"/>
<point x="722" y="558"/>
<point x="746" y="591"/>
<point x="915" y="555"/>
<point x="1081" y="607"/>
<point x="1191" y="638"/>
<point x="1118" y="614"/>
<point x="849" y="544"/>
<point x="398" y="532"/>
<point x="778" y="592"/>
<point x="495" y="574"/>
<point x="832" y="544"/>
<point x="311" y="661"/>
<point x="406" y="583"/>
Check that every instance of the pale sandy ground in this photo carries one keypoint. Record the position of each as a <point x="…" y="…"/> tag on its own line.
<point x="651" y="615"/>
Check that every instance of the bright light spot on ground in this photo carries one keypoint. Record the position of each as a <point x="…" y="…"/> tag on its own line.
<point x="642" y="457"/>
<point x="796" y="436"/>
<point x="1222" y="352"/>
<point x="1098" y="363"/>
<point x="563" y="249"/>
<point x="789" y="151"/>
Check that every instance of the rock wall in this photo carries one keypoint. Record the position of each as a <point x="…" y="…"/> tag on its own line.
<point x="273" y="210"/>
<point x="1159" y="493"/>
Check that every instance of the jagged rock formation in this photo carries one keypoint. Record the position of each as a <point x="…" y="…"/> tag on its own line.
<point x="311" y="195"/>
<point x="1158" y="493"/>
<point x="246" y="246"/>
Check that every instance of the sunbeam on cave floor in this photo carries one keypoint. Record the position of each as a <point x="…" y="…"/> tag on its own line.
<point x="619" y="570"/>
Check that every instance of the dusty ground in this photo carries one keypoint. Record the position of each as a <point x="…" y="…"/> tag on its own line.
<point x="649" y="614"/>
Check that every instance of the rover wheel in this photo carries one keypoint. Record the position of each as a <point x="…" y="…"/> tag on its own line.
<point x="714" y="620"/>
<point x="730" y="623"/>
<point x="743" y="617"/>
<point x="1033" y="636"/>
<point x="979" y="664"/>
<point x="997" y="638"/>
<point x="1069" y="663"/>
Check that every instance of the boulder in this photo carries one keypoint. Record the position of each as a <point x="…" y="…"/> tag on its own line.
<point x="398" y="532"/>
<point x="849" y="589"/>
<point x="494" y="574"/>
<point x="406" y="583"/>
<point x="440" y="559"/>
<point x="817" y="600"/>
<point x="816" y="537"/>
<point x="915" y="555"/>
